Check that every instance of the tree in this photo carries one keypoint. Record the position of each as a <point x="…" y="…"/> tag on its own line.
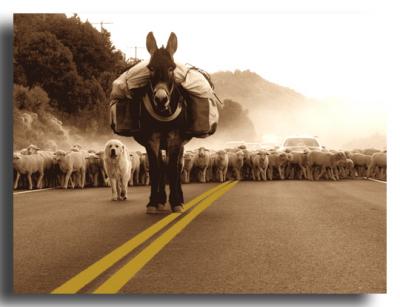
<point x="72" y="61"/>
<point x="49" y="64"/>
<point x="34" y="99"/>
<point x="234" y="122"/>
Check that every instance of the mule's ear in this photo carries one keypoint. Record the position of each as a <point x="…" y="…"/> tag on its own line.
<point x="172" y="44"/>
<point x="151" y="43"/>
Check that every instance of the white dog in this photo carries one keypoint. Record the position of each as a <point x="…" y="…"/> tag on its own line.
<point x="118" y="168"/>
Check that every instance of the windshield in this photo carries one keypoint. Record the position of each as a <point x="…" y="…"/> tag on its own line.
<point x="301" y="142"/>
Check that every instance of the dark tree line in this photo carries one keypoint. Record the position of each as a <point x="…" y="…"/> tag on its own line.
<point x="70" y="60"/>
<point x="235" y="124"/>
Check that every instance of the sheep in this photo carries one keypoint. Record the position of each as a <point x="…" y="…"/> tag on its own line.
<point x="69" y="163"/>
<point x="247" y="168"/>
<point x="210" y="169"/>
<point x="103" y="173"/>
<point x="135" y="168"/>
<point x="204" y="165"/>
<point x="28" y="165"/>
<point x="93" y="166"/>
<point x="370" y="151"/>
<point x="277" y="160"/>
<point x="349" y="169"/>
<point x="49" y="167"/>
<point x="378" y="161"/>
<point x="201" y="163"/>
<point x="188" y="160"/>
<point x="144" y="175"/>
<point x="361" y="163"/>
<point x="221" y="165"/>
<point x="235" y="163"/>
<point x="76" y="148"/>
<point x="48" y="163"/>
<point x="297" y="165"/>
<point x="325" y="161"/>
<point x="259" y="162"/>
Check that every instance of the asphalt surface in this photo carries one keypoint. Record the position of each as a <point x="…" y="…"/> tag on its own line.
<point x="259" y="237"/>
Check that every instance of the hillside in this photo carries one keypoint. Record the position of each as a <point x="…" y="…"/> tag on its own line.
<point x="279" y="111"/>
<point x="273" y="109"/>
<point x="254" y="92"/>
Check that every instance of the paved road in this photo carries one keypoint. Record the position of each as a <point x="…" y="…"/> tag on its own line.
<point x="258" y="237"/>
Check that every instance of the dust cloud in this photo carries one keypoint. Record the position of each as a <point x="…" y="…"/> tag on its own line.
<point x="337" y="124"/>
<point x="49" y="133"/>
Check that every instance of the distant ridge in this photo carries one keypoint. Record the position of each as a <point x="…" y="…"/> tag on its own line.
<point x="252" y="91"/>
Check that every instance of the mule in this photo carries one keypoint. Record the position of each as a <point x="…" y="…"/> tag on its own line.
<point x="163" y="126"/>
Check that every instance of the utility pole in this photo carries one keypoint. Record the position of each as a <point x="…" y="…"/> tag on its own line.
<point x="136" y="51"/>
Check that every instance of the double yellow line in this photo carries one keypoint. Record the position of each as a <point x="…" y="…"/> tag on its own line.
<point x="128" y="271"/>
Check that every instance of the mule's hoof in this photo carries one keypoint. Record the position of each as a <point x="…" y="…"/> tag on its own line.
<point x="177" y="209"/>
<point x="122" y="198"/>
<point x="151" y="210"/>
<point x="162" y="208"/>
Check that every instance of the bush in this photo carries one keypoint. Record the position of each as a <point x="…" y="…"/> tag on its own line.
<point x="34" y="99"/>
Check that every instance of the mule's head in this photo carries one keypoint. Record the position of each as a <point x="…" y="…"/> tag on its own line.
<point x="161" y="66"/>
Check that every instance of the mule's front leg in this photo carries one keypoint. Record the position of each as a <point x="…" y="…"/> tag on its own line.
<point x="173" y="171"/>
<point x="155" y="170"/>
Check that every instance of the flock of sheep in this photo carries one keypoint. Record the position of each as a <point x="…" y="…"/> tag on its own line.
<point x="35" y="168"/>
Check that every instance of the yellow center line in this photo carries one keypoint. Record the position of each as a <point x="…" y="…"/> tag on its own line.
<point x="80" y="280"/>
<point x="114" y="283"/>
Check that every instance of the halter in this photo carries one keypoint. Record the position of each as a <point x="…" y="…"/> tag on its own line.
<point x="149" y="107"/>
<point x="168" y="90"/>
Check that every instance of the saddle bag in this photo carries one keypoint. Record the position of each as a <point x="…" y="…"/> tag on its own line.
<point x="202" y="103"/>
<point x="125" y="114"/>
<point x="202" y="116"/>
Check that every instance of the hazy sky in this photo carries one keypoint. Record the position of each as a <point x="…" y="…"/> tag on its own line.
<point x="341" y="54"/>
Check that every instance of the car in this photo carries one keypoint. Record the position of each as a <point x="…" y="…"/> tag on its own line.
<point x="301" y="143"/>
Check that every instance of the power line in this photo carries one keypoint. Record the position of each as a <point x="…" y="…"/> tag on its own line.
<point x="101" y="23"/>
